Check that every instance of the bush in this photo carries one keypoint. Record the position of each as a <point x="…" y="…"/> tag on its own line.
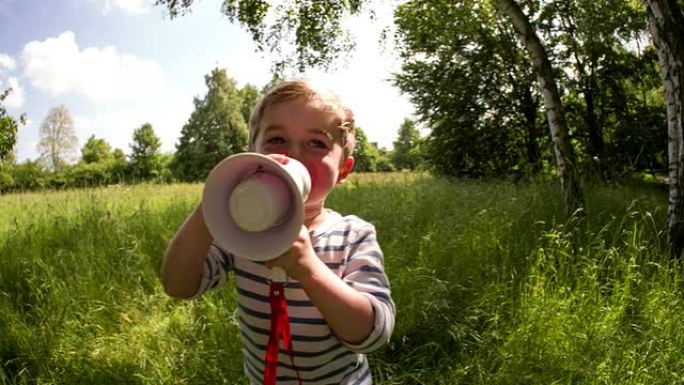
<point x="89" y="175"/>
<point x="29" y="176"/>
<point x="6" y="182"/>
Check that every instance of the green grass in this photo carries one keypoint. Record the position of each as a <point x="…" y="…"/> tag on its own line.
<point x="491" y="283"/>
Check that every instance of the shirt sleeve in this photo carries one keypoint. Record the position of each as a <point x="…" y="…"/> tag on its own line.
<point x="217" y="264"/>
<point x="365" y="272"/>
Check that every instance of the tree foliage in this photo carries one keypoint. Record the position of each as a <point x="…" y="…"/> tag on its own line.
<point x="8" y="129"/>
<point x="96" y="150"/>
<point x="312" y="29"/>
<point x="250" y="97"/>
<point x="471" y="85"/>
<point x="474" y="88"/>
<point x="591" y="41"/>
<point x="215" y="130"/>
<point x="145" y="155"/>
<point x="367" y="156"/>
<point x="406" y="149"/>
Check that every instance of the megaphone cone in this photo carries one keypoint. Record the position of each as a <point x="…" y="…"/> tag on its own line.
<point x="254" y="206"/>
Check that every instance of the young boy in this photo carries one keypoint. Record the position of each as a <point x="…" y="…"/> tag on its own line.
<point x="338" y="296"/>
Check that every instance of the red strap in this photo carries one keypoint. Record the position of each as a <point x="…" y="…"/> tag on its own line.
<point x="280" y="326"/>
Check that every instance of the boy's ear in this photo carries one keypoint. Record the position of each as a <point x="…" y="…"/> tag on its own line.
<point x="345" y="169"/>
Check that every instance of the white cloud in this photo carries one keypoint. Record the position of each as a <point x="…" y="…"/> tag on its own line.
<point x="7" y="62"/>
<point x="363" y="80"/>
<point x="117" y="125"/>
<point x="130" y="6"/>
<point x="102" y="74"/>
<point x="27" y="140"/>
<point x="15" y="99"/>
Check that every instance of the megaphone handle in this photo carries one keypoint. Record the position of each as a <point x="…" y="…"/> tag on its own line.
<point x="278" y="274"/>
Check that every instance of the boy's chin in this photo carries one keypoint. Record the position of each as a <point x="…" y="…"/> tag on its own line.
<point x="312" y="205"/>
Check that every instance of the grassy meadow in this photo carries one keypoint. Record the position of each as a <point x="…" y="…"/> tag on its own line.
<point x="491" y="283"/>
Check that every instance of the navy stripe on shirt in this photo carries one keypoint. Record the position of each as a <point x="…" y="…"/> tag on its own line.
<point x="309" y="354"/>
<point x="265" y="299"/>
<point x="298" y="367"/>
<point x="295" y="337"/>
<point x="293" y="320"/>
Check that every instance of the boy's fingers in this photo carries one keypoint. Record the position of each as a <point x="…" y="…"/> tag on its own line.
<point x="282" y="158"/>
<point x="274" y="262"/>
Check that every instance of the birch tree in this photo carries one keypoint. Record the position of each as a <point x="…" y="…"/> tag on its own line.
<point x="565" y="157"/>
<point x="666" y="24"/>
<point x="58" y="142"/>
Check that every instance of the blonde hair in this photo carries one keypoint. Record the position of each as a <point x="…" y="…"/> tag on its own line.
<point x="301" y="88"/>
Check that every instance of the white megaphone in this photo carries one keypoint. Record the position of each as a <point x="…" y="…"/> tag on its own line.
<point x="253" y="206"/>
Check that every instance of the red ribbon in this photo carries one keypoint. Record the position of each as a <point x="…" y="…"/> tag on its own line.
<point x="280" y="327"/>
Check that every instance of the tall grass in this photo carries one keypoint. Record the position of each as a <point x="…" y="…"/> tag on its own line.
<point x="491" y="283"/>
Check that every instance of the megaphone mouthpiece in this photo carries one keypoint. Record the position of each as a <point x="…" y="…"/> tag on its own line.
<point x="261" y="201"/>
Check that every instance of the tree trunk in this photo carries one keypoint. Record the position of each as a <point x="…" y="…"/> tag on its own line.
<point x="565" y="157"/>
<point x="529" y="108"/>
<point x="667" y="30"/>
<point x="596" y="145"/>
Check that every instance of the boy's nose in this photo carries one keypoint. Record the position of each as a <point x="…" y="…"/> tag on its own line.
<point x="292" y="153"/>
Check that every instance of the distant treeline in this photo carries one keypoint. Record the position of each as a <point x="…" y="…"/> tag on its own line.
<point x="216" y="129"/>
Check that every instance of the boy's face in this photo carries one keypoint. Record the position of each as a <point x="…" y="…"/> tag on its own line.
<point x="302" y="129"/>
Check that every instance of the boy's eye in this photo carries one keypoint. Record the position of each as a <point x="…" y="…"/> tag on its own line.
<point x="275" y="140"/>
<point x="318" y="144"/>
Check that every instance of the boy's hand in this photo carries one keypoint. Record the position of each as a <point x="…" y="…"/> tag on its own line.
<point x="301" y="261"/>
<point x="337" y="301"/>
<point x="280" y="158"/>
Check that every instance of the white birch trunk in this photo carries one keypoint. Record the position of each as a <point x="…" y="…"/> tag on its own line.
<point x="666" y="24"/>
<point x="565" y="157"/>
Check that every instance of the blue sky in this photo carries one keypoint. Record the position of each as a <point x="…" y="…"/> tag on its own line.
<point x="117" y="64"/>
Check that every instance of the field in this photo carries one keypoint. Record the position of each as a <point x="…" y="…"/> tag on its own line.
<point x="491" y="283"/>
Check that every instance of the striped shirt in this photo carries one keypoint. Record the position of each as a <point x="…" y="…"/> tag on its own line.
<point x="348" y="246"/>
